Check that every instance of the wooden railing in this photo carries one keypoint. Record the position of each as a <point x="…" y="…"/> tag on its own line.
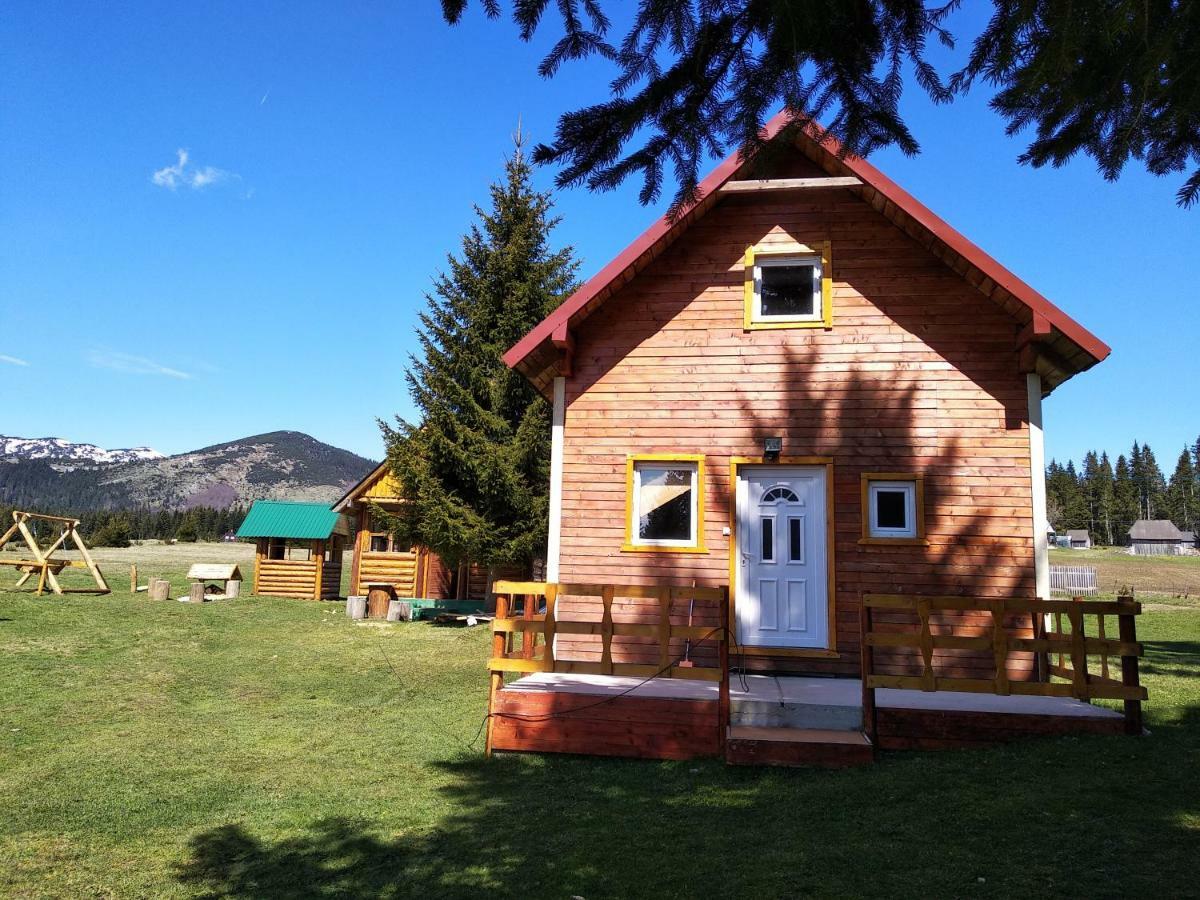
<point x="527" y="622"/>
<point x="1032" y="626"/>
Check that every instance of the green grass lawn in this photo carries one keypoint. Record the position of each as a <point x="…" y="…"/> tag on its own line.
<point x="264" y="748"/>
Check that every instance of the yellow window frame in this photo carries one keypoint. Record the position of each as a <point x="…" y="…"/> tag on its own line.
<point x="820" y="249"/>
<point x="631" y="461"/>
<point x="918" y="480"/>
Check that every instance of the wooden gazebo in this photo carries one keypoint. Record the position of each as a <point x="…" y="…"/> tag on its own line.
<point x="298" y="549"/>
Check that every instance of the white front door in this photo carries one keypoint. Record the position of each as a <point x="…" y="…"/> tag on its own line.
<point x="782" y="592"/>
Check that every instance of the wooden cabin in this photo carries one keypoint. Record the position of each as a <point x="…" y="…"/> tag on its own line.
<point x="809" y="391"/>
<point x="412" y="572"/>
<point x="298" y="549"/>
<point x="1156" y="537"/>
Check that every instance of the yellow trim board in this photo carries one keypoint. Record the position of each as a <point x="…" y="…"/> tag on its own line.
<point x="735" y="463"/>
<point x="631" y="462"/>
<point x="824" y="250"/>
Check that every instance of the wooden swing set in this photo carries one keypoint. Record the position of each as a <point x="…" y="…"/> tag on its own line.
<point x="44" y="564"/>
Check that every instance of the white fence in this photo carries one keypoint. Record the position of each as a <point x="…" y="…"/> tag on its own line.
<point x="1074" y="581"/>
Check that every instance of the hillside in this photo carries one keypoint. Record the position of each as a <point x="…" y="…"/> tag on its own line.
<point x="279" y="465"/>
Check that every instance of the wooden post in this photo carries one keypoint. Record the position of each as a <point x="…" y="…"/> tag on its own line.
<point x="868" y="669"/>
<point x="87" y="557"/>
<point x="606" y="630"/>
<point x="723" y="685"/>
<point x="548" y="633"/>
<point x="529" y="603"/>
<point x="318" y="549"/>
<point x="1127" y="631"/>
<point x="133" y="578"/>
<point x="499" y="642"/>
<point x="258" y="557"/>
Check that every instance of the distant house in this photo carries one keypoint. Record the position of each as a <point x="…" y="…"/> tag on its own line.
<point x="1079" y="539"/>
<point x="1155" y="537"/>
<point x="1188" y="540"/>
<point x="413" y="572"/>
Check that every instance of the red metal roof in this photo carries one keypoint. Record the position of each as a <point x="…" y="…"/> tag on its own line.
<point x="556" y="326"/>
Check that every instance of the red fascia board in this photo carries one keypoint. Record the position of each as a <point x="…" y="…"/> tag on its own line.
<point x="561" y="317"/>
<point x="986" y="264"/>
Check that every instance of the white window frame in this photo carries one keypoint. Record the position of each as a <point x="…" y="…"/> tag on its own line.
<point x="909" y="490"/>
<point x="636" y="503"/>
<point x="806" y="259"/>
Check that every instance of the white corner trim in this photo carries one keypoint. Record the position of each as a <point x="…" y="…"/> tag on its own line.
<point x="1037" y="477"/>
<point x="557" y="421"/>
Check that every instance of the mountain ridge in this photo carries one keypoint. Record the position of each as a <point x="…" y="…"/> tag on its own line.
<point x="277" y="465"/>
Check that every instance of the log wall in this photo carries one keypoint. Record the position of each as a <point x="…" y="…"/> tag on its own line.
<point x="919" y="374"/>
<point x="287" y="578"/>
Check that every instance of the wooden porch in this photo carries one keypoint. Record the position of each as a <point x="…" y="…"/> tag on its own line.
<point x="922" y="684"/>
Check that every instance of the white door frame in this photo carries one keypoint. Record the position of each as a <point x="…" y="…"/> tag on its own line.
<point x="736" y="467"/>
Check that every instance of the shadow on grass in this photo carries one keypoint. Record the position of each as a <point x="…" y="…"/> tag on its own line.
<point x="1088" y="816"/>
<point x="1173" y="658"/>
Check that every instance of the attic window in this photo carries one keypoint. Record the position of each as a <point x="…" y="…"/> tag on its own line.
<point x="788" y="290"/>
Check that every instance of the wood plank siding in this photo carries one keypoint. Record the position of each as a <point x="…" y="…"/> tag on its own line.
<point x="919" y="374"/>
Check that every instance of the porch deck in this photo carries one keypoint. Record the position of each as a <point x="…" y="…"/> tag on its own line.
<point x="926" y="682"/>
<point x="610" y="714"/>
<point x="814" y="691"/>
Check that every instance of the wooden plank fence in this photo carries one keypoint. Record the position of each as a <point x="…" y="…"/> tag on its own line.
<point x="1063" y="652"/>
<point x="527" y="621"/>
<point x="1074" y="581"/>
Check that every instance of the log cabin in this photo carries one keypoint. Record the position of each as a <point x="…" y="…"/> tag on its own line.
<point x="797" y="426"/>
<point x="412" y="572"/>
<point x="298" y="549"/>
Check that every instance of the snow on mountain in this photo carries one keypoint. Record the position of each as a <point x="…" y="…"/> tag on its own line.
<point x="12" y="448"/>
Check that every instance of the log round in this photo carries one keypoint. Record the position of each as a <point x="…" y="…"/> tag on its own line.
<point x="356" y="607"/>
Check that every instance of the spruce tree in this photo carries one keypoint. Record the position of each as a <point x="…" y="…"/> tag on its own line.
<point x="1125" y="499"/>
<point x="1181" y="493"/>
<point x="1105" y="505"/>
<point x="1153" y="486"/>
<point x="474" y="470"/>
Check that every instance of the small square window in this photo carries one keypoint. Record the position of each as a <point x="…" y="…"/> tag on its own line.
<point x="787" y="289"/>
<point x="893" y="508"/>
<point x="665" y="504"/>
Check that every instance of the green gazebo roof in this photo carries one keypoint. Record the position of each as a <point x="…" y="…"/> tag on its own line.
<point x="286" y="519"/>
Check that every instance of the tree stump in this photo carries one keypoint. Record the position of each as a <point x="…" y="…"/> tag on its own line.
<point x="233" y="587"/>
<point x="356" y="607"/>
<point x="196" y="592"/>
<point x="399" y="611"/>
<point x="159" y="588"/>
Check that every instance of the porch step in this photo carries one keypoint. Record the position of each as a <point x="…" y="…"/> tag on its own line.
<point x="830" y="748"/>
<point x="806" y="703"/>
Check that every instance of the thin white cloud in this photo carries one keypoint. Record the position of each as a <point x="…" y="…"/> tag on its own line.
<point x="12" y="360"/>
<point x="188" y="175"/>
<point x="133" y="365"/>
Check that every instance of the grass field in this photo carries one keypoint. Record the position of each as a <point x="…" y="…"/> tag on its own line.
<point x="271" y="748"/>
<point x="1168" y="576"/>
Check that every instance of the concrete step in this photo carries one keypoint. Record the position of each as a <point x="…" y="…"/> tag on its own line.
<point x="789" y="702"/>
<point x="754" y="746"/>
<point x="767" y="714"/>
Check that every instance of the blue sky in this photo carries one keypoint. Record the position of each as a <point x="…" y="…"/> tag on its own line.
<point x="333" y="156"/>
